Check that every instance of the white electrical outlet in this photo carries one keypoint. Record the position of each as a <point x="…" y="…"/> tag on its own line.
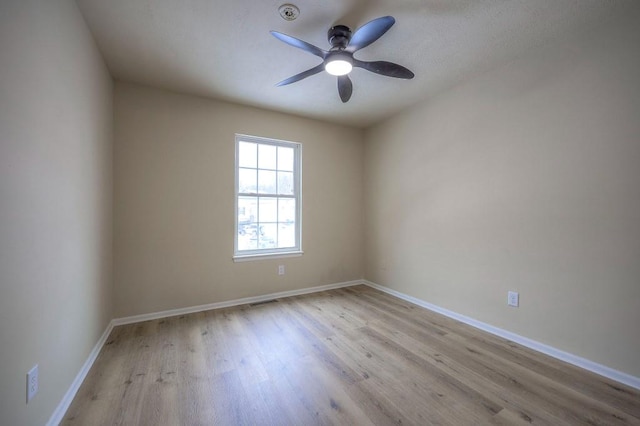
<point x="280" y="269"/>
<point x="513" y="299"/>
<point x="32" y="382"/>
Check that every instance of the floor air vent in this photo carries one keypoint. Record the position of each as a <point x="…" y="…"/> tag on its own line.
<point x="263" y="302"/>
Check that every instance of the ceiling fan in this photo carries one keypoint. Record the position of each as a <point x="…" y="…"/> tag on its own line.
<point x="339" y="60"/>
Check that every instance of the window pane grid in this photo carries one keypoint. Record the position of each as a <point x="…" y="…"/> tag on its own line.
<point x="262" y="228"/>
<point x="267" y="197"/>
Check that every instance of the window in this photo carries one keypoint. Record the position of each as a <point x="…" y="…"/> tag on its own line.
<point x="268" y="181"/>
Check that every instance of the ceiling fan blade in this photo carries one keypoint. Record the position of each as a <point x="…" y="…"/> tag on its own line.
<point x="345" y="88"/>
<point x="302" y="75"/>
<point x="370" y="32"/>
<point x="300" y="44"/>
<point x="388" y="69"/>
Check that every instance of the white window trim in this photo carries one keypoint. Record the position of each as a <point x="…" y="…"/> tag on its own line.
<point x="258" y="254"/>
<point x="249" y="257"/>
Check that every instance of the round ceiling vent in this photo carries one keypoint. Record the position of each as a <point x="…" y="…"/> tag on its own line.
<point x="289" y="12"/>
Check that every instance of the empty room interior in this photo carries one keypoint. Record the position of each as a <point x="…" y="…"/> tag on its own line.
<point x="341" y="212"/>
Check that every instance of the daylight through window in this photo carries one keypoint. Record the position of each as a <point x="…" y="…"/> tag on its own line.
<point x="267" y="196"/>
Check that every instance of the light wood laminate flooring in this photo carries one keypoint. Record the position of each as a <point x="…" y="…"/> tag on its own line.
<point x="351" y="356"/>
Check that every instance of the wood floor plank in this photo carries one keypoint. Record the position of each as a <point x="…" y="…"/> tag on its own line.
<point x="345" y="356"/>
<point x="547" y="389"/>
<point x="500" y="395"/>
<point x="591" y="384"/>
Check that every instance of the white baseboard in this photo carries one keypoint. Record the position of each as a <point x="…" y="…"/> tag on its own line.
<point x="62" y="408"/>
<point x="602" y="370"/>
<point x="226" y="304"/>
<point x="586" y="364"/>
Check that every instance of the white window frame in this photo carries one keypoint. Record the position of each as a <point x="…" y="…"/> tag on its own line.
<point x="243" y="255"/>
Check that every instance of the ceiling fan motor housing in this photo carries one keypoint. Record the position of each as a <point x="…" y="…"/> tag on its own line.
<point x="339" y="36"/>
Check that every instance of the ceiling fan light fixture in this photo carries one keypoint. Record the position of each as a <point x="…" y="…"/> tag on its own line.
<point x="339" y="60"/>
<point x="338" y="64"/>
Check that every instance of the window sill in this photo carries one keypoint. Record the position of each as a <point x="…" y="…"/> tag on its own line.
<point x="250" y="257"/>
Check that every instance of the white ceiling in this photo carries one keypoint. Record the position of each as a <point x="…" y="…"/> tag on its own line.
<point x="224" y="50"/>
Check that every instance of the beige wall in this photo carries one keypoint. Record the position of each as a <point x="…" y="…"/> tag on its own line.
<point x="174" y="198"/>
<point x="526" y="179"/>
<point x="55" y="202"/>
